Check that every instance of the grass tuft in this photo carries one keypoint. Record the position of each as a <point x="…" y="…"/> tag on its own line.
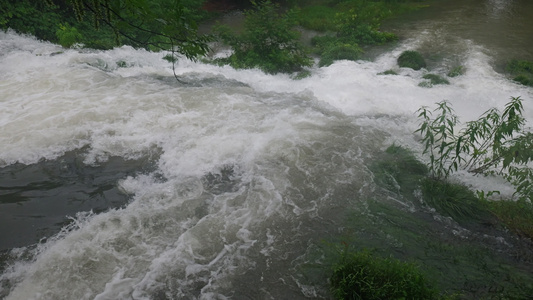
<point x="362" y="276"/>
<point x="454" y="200"/>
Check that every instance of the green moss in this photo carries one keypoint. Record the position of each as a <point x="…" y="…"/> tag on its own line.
<point x="363" y="276"/>
<point x="411" y="59"/>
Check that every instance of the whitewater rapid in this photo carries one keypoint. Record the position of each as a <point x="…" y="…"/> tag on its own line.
<point x="251" y="170"/>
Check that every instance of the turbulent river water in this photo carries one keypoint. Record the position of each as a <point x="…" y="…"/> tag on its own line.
<point x="118" y="182"/>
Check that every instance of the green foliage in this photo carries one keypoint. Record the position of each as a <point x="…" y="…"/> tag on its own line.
<point x="68" y="35"/>
<point x="268" y="41"/>
<point x="156" y="25"/>
<point x="411" y="59"/>
<point x="496" y="143"/>
<point x="30" y="17"/>
<point x="363" y="276"/>
<point x="433" y="79"/>
<point x="522" y="71"/>
<point x="361" y="24"/>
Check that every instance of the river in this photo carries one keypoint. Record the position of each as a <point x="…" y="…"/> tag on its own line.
<point x="118" y="182"/>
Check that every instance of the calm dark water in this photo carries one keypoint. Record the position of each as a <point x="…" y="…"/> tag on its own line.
<point x="37" y="200"/>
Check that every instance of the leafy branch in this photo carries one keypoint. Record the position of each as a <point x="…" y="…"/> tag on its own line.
<point x="496" y="143"/>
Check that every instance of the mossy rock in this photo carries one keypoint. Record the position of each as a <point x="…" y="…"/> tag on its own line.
<point x="411" y="59"/>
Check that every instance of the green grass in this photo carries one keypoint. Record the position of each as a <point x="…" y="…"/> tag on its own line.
<point x="360" y="275"/>
<point x="453" y="200"/>
<point x="404" y="223"/>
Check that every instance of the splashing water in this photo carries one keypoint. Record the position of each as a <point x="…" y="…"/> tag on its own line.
<point x="248" y="172"/>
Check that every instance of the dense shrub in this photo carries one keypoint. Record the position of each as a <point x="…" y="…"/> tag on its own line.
<point x="411" y="59"/>
<point x="68" y="35"/>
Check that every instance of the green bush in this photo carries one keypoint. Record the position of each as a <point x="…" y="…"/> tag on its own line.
<point x="340" y="51"/>
<point x="68" y="35"/>
<point x="363" y="276"/>
<point x="30" y="17"/>
<point x="268" y="41"/>
<point x="411" y="59"/>
<point x="362" y="25"/>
